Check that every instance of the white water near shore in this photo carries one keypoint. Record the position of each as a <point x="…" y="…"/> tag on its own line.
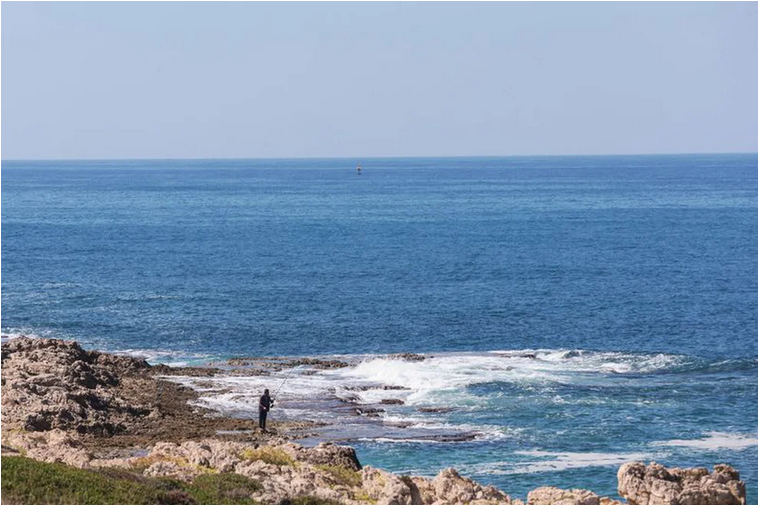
<point x="462" y="398"/>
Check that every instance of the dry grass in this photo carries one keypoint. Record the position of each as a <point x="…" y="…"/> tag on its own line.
<point x="270" y="455"/>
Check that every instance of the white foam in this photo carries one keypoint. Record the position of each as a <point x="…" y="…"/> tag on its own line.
<point x="14" y="334"/>
<point x="555" y="462"/>
<point x="714" y="440"/>
<point x="444" y="380"/>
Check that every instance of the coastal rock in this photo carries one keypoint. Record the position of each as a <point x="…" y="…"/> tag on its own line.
<point x="172" y="470"/>
<point x="387" y="488"/>
<point x="409" y="356"/>
<point x="323" y="364"/>
<point x="392" y="401"/>
<point x="55" y="446"/>
<point x="555" y="496"/>
<point x="450" y="488"/>
<point x="655" y="484"/>
<point x="50" y="383"/>
<point x="325" y="453"/>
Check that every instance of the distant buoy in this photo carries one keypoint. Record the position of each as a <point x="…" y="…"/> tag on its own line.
<point x="359" y="169"/>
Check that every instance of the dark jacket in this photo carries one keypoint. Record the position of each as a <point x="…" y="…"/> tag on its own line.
<point x="264" y="405"/>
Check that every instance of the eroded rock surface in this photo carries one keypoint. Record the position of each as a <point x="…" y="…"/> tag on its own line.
<point x="55" y="384"/>
<point x="655" y="484"/>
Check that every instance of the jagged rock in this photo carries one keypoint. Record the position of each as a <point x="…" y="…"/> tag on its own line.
<point x="55" y="446"/>
<point x="409" y="356"/>
<point x="172" y="470"/>
<point x="318" y="363"/>
<point x="50" y="383"/>
<point x="657" y="485"/>
<point x="386" y="488"/>
<point x="555" y="496"/>
<point x="325" y="453"/>
<point x="450" y="487"/>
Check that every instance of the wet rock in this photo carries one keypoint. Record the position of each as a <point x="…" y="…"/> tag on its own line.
<point x="318" y="363"/>
<point x="392" y="401"/>
<point x="409" y="356"/>
<point x="385" y="387"/>
<point x="435" y="410"/>
<point x="368" y="411"/>
<point x="185" y="371"/>
<point x="655" y="484"/>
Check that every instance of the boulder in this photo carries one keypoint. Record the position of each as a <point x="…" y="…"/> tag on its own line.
<point x="555" y="496"/>
<point x="387" y="488"/>
<point x="325" y="453"/>
<point x="655" y="484"/>
<point x="450" y="488"/>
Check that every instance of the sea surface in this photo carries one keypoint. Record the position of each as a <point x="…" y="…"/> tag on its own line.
<point x="575" y="312"/>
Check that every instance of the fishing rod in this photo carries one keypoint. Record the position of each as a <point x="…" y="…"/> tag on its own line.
<point x="276" y="393"/>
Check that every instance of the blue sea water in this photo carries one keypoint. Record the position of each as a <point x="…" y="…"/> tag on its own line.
<point x="581" y="311"/>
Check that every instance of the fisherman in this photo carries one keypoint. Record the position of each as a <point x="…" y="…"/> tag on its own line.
<point x="264" y="405"/>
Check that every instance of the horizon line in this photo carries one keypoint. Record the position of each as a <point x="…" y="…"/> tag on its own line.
<point x="704" y="153"/>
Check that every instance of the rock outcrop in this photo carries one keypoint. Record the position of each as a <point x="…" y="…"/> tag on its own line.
<point x="655" y="484"/>
<point x="55" y="384"/>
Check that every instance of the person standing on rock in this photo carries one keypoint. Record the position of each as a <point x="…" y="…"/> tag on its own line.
<point x="264" y="405"/>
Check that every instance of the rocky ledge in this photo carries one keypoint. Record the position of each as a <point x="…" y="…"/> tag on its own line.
<point x="93" y="410"/>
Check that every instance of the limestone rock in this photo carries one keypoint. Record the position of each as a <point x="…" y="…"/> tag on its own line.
<point x="50" y="383"/>
<point x="450" y="487"/>
<point x="325" y="453"/>
<point x="657" y="485"/>
<point x="55" y="446"/>
<point x="386" y="488"/>
<point x="556" y="496"/>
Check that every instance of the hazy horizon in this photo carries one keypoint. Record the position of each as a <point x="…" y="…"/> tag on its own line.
<point x="123" y="81"/>
<point x="359" y="158"/>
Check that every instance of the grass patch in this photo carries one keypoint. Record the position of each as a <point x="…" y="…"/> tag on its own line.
<point x="362" y="495"/>
<point x="270" y="455"/>
<point x="223" y="489"/>
<point x="142" y="464"/>
<point x="29" y="482"/>
<point x="26" y="481"/>
<point x="342" y="475"/>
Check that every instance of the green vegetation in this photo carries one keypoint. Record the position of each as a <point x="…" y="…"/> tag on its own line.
<point x="142" y="464"/>
<point x="29" y="482"/>
<point x="342" y="475"/>
<point x="223" y="489"/>
<point x="270" y="455"/>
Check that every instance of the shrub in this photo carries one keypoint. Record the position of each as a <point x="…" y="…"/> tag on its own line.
<point x="270" y="455"/>
<point x="342" y="475"/>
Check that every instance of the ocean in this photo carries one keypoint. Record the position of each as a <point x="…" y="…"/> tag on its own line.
<point x="574" y="312"/>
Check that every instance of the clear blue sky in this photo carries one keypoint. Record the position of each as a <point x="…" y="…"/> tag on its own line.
<point x="204" y="80"/>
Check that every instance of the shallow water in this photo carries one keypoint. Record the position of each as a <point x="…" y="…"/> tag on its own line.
<point x="632" y="280"/>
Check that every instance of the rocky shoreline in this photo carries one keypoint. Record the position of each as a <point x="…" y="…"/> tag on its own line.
<point x="93" y="410"/>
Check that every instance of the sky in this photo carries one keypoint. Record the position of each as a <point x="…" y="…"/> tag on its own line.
<point x="256" y="80"/>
